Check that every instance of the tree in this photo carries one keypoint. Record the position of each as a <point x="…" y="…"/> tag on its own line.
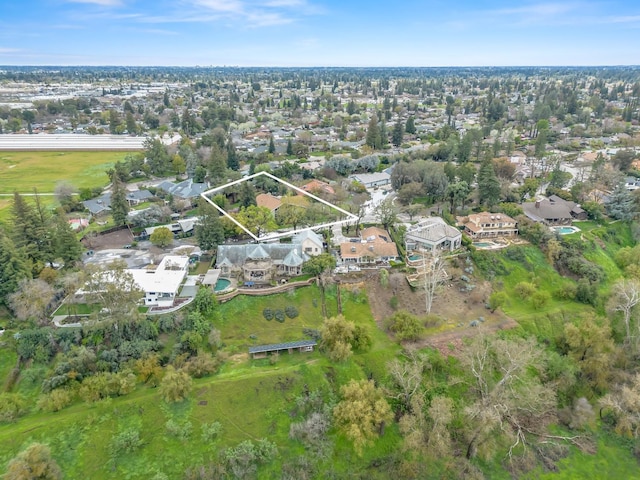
<point x="623" y="159"/>
<point x="119" y="203"/>
<point x="290" y="215"/>
<point x="373" y="138"/>
<point x="319" y="266"/>
<point x="13" y="267"/>
<point x="504" y="373"/>
<point x="410" y="127"/>
<point x="387" y="213"/>
<point x="272" y="146"/>
<point x="33" y="463"/>
<point x="336" y="337"/>
<point x="217" y="162"/>
<point x="620" y="205"/>
<point x="175" y="386"/>
<point x="623" y="403"/>
<point x="289" y="147"/>
<point x="397" y="134"/>
<point x="433" y="275"/>
<point x="362" y="412"/>
<point x="625" y="298"/>
<point x="30" y="232"/>
<point x="161" y="237"/>
<point x="247" y="195"/>
<point x="209" y="229"/>
<point x="114" y="288"/>
<point x="256" y="219"/>
<point x="67" y="246"/>
<point x="405" y="326"/>
<point x="32" y="300"/>
<point x="457" y="192"/>
<point x="488" y="184"/>
<point x="232" y="157"/>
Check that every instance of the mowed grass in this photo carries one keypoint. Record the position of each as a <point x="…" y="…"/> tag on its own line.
<point x="23" y="171"/>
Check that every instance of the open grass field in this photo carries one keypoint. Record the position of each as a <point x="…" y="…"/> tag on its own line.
<point x="24" y="171"/>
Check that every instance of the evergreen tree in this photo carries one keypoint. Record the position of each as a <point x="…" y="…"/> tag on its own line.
<point x="396" y="136"/>
<point x="67" y="246"/>
<point x="384" y="136"/>
<point x="621" y="205"/>
<point x="410" y="127"/>
<point x="289" y="147"/>
<point x="373" y="138"/>
<point x="209" y="230"/>
<point x="217" y="162"/>
<point x="232" y="157"/>
<point x="13" y="267"/>
<point x="272" y="146"/>
<point x="247" y="195"/>
<point x="119" y="204"/>
<point x="28" y="232"/>
<point x="488" y="184"/>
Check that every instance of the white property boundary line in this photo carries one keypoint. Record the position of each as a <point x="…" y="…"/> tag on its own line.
<point x="273" y="236"/>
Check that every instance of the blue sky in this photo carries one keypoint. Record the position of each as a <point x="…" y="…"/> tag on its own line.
<point x="319" y="32"/>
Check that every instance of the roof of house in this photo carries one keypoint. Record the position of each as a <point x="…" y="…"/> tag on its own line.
<point x="318" y="186"/>
<point x="239" y="254"/>
<point x="369" y="249"/>
<point x="366" y="178"/>
<point x="185" y="189"/>
<point x="139" y="195"/>
<point x="166" y="277"/>
<point x="282" y="346"/>
<point x="98" y="205"/>
<point x="550" y="208"/>
<point x="307" y="234"/>
<point x="269" y="201"/>
<point x="486" y="217"/>
<point x="434" y="229"/>
<point x="375" y="233"/>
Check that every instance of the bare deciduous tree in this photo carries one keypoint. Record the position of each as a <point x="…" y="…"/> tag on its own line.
<point x="434" y="275"/>
<point x="625" y="298"/>
<point x="32" y="300"/>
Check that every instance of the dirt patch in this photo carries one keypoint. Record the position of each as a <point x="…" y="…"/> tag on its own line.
<point x="457" y="309"/>
<point x="116" y="239"/>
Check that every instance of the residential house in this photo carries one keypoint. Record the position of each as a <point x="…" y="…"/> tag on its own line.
<point x="374" y="247"/>
<point x="488" y="225"/>
<point x="317" y="186"/>
<point x="432" y="233"/>
<point x="372" y="180"/>
<point x="553" y="211"/>
<point x="268" y="201"/>
<point x="311" y="243"/>
<point x="632" y="183"/>
<point x="261" y="351"/>
<point x="138" y="196"/>
<point x="185" y="190"/>
<point x="99" y="206"/>
<point x="162" y="283"/>
<point x="262" y="262"/>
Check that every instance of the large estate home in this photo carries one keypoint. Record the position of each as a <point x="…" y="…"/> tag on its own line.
<point x="488" y="225"/>
<point x="432" y="233"/>
<point x="554" y="211"/>
<point x="263" y="262"/>
<point x="186" y="190"/>
<point x="375" y="246"/>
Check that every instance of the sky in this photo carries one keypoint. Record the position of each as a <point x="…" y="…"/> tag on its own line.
<point x="305" y="33"/>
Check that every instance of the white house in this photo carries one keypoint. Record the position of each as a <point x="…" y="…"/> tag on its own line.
<point x="432" y="233"/>
<point x="310" y="241"/>
<point x="370" y="180"/>
<point x="162" y="283"/>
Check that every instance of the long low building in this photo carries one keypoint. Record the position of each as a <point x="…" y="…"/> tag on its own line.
<point x="79" y="142"/>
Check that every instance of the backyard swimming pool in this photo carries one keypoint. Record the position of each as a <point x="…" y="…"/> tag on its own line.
<point x="221" y="284"/>
<point x="565" y="230"/>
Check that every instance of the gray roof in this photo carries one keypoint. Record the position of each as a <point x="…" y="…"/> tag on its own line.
<point x="310" y="234"/>
<point x="98" y="205"/>
<point x="365" y="178"/>
<point x="139" y="195"/>
<point x="282" y="346"/>
<point x="548" y="208"/>
<point x="185" y="189"/>
<point x="293" y="259"/>
<point x="433" y="230"/>
<point x="238" y="254"/>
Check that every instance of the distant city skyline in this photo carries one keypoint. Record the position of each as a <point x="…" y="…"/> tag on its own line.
<point x="305" y="33"/>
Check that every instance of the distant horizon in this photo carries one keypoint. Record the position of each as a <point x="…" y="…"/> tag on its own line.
<point x="315" y="66"/>
<point x="314" y="33"/>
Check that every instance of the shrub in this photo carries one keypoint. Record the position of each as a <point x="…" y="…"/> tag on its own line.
<point x="126" y="441"/>
<point x="202" y="365"/>
<point x="405" y="326"/>
<point x="181" y="431"/>
<point x="525" y="289"/>
<point x="566" y="292"/>
<point x="540" y="299"/>
<point x="291" y="311"/>
<point x="394" y="302"/>
<point x="211" y="431"/>
<point x="55" y="401"/>
<point x="267" y="313"/>
<point x="12" y="406"/>
<point x="279" y="316"/>
<point x="175" y="386"/>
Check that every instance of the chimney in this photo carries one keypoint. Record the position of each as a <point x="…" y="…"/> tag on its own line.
<point x="537" y="203"/>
